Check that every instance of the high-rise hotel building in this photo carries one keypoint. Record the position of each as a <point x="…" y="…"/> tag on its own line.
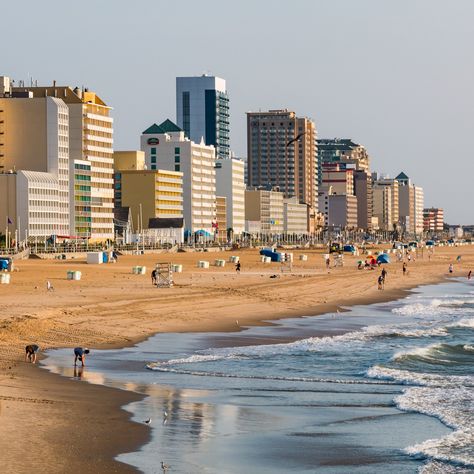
<point x="202" y="111"/>
<point x="90" y="159"/>
<point x="282" y="154"/>
<point x="34" y="163"/>
<point x="167" y="148"/>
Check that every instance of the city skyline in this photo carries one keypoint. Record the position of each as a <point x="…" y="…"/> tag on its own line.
<point x="400" y="87"/>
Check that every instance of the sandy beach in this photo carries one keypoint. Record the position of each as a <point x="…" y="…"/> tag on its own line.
<point x="51" y="423"/>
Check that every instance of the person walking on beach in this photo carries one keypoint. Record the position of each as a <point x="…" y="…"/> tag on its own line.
<point x="451" y="268"/>
<point x="153" y="277"/>
<point x="469" y="275"/>
<point x="328" y="263"/>
<point x="30" y="353"/>
<point x="384" y="274"/>
<point x="80" y="354"/>
<point x="380" y="282"/>
<point x="404" y="268"/>
<point x="237" y="267"/>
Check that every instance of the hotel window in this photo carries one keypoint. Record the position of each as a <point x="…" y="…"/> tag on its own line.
<point x="176" y="150"/>
<point x="177" y="168"/>
<point x="176" y="159"/>
<point x="153" y="159"/>
<point x="153" y="151"/>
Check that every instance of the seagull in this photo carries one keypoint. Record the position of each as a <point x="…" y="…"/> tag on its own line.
<point x="295" y="139"/>
<point x="164" y="466"/>
<point x="147" y="422"/>
<point x="165" y="414"/>
<point x="237" y="322"/>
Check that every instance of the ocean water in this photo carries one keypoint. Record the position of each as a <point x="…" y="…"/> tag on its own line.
<point x="381" y="388"/>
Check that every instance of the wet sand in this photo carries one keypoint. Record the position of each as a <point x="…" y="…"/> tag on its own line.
<point x="49" y="423"/>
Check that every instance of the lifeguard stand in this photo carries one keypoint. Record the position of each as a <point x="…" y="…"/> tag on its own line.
<point x="286" y="267"/>
<point x="164" y="275"/>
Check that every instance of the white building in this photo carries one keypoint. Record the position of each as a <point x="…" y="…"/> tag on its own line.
<point x="230" y="183"/>
<point x="32" y="203"/>
<point x="295" y="216"/>
<point x="166" y="147"/>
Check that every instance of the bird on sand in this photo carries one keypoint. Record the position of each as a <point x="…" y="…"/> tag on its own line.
<point x="237" y="322"/>
<point x="164" y="466"/>
<point x="298" y="137"/>
<point x="147" y="422"/>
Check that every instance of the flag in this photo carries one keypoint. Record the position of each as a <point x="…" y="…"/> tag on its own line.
<point x="9" y="221"/>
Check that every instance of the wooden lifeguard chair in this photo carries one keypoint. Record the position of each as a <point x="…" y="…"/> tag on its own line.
<point x="164" y="275"/>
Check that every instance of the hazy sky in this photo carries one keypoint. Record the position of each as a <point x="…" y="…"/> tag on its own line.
<point x="396" y="76"/>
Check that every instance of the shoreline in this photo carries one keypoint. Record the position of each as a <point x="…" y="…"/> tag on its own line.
<point x="118" y="433"/>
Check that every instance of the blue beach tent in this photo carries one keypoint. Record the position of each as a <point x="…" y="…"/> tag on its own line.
<point x="275" y="256"/>
<point x="383" y="258"/>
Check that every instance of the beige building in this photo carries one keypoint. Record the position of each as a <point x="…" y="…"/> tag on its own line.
<point x="433" y="219"/>
<point x="382" y="206"/>
<point x="394" y="196"/>
<point x="411" y="204"/>
<point x="364" y="194"/>
<point x="221" y="218"/>
<point x="340" y="210"/>
<point x="90" y="140"/>
<point x="340" y="180"/>
<point x="230" y="182"/>
<point x="129" y="160"/>
<point x="295" y="216"/>
<point x="34" y="136"/>
<point x="282" y="153"/>
<point x="152" y="194"/>
<point x="264" y="211"/>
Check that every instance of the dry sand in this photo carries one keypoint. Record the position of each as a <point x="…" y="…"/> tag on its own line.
<point x="50" y="424"/>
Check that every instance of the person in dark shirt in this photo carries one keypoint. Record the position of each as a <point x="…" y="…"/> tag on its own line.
<point x="80" y="354"/>
<point x="30" y="352"/>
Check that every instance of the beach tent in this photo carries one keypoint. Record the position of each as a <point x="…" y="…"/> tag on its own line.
<point x="274" y="256"/>
<point x="3" y="264"/>
<point x="430" y="243"/>
<point x="383" y="258"/>
<point x="349" y="248"/>
<point x="203" y="233"/>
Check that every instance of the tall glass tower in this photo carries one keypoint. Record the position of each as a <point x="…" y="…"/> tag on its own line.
<point x="202" y="111"/>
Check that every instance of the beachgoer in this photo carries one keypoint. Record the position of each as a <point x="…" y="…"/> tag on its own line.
<point x="404" y="268"/>
<point x="451" y="268"/>
<point x="237" y="267"/>
<point x="409" y="257"/>
<point x="458" y="258"/>
<point x="115" y="255"/>
<point x="153" y="277"/>
<point x="380" y="282"/>
<point x="80" y="354"/>
<point x="328" y="263"/>
<point x="384" y="274"/>
<point x="30" y="352"/>
<point x="469" y="275"/>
